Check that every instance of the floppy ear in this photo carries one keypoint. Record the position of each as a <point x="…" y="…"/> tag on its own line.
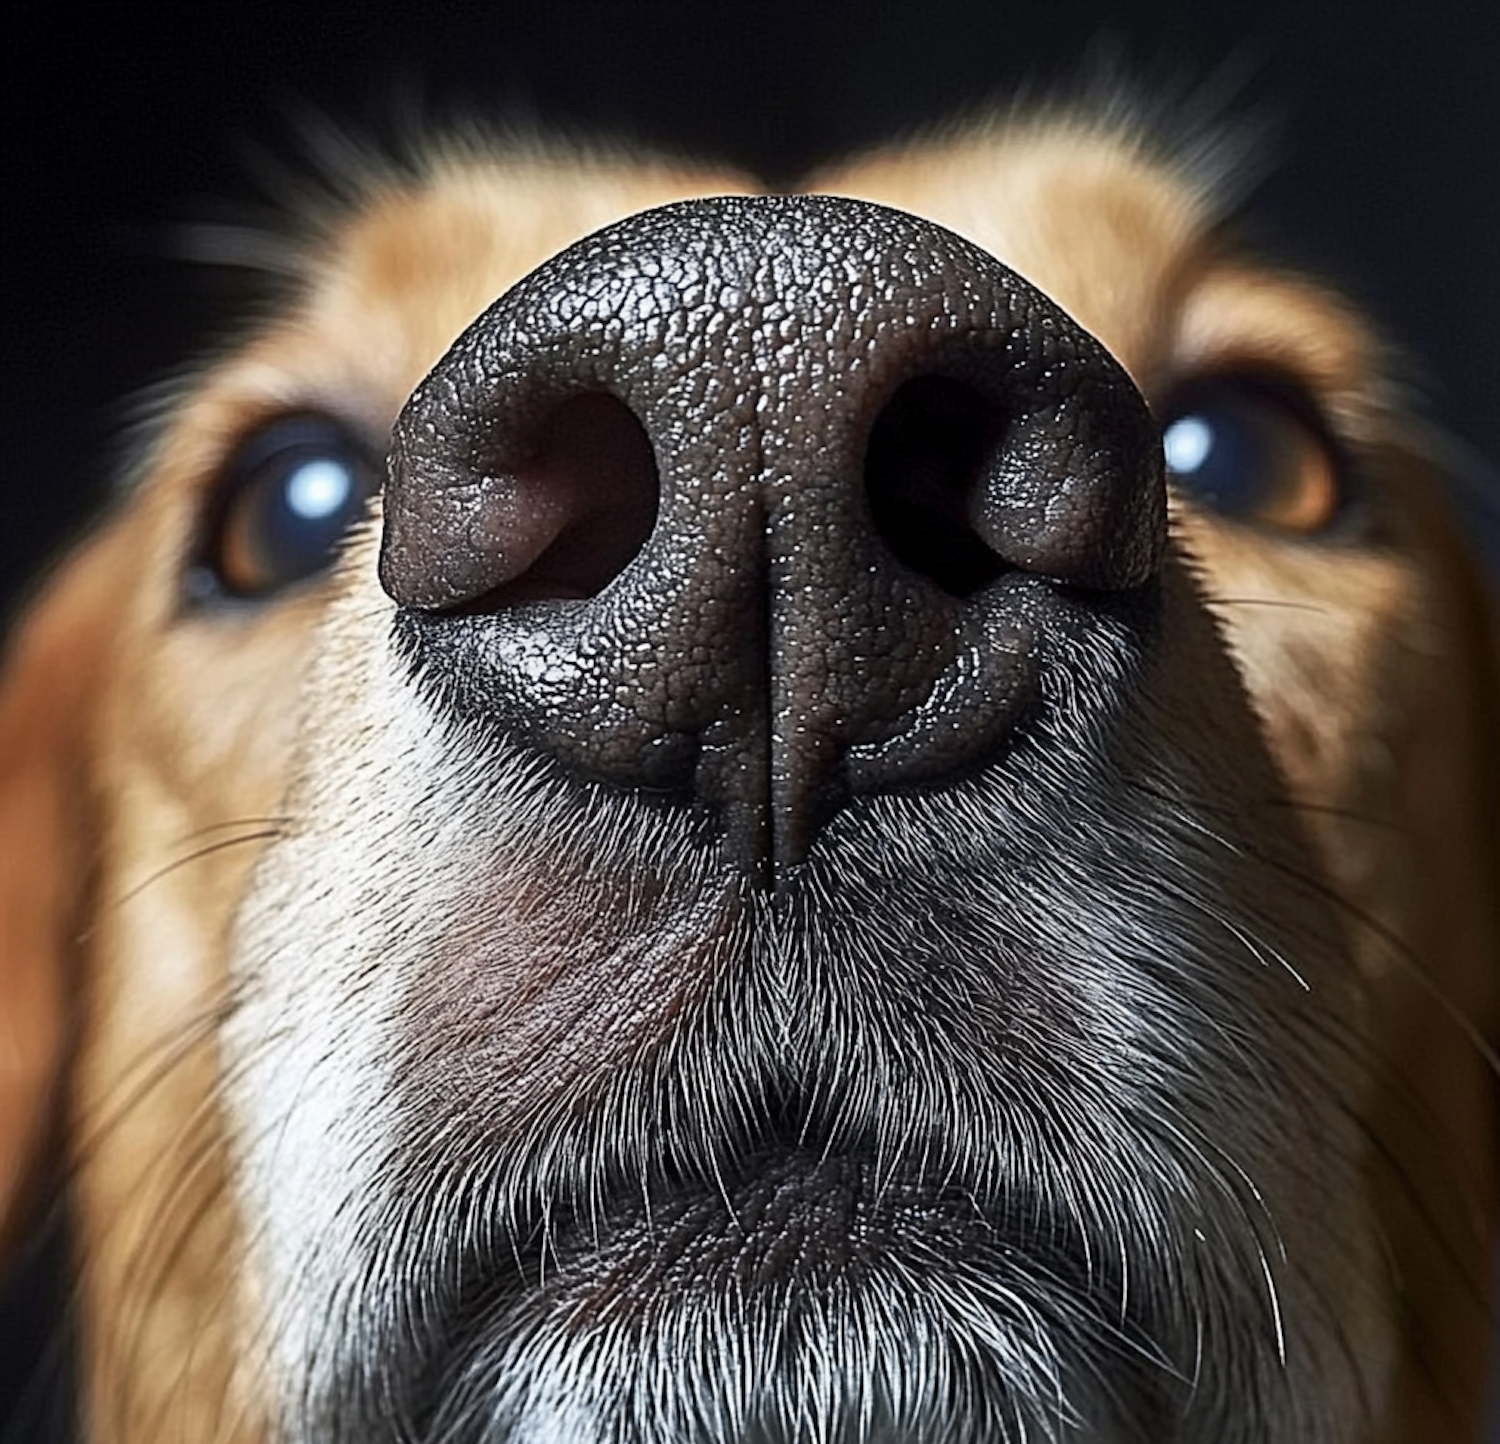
<point x="48" y="846"/>
<point x="1439" y="1022"/>
<point x="1469" y="618"/>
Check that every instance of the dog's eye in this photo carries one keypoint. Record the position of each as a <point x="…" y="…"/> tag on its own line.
<point x="1248" y="450"/>
<point x="288" y="496"/>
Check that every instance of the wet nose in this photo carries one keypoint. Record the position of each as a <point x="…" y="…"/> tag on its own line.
<point x="763" y="505"/>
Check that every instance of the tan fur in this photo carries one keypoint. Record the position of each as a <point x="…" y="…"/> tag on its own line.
<point x="144" y="752"/>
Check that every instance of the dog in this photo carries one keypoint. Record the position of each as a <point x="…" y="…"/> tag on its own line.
<point x="884" y="828"/>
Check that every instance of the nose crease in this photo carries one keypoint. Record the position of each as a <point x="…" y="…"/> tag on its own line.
<point x="764" y="504"/>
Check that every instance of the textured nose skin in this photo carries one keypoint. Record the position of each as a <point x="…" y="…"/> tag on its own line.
<point x="761" y="504"/>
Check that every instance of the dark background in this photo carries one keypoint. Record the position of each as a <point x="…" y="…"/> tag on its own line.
<point x="122" y="123"/>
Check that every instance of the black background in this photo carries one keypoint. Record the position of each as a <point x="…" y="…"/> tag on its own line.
<point x="122" y="123"/>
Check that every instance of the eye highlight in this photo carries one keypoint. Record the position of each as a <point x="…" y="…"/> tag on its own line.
<point x="286" y="499"/>
<point x="1254" y="451"/>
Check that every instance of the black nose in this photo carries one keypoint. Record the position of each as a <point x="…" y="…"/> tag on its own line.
<point x="764" y="504"/>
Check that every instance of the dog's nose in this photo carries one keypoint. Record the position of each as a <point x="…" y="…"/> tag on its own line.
<point x="765" y="503"/>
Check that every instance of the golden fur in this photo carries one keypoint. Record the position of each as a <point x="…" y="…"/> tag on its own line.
<point x="147" y="752"/>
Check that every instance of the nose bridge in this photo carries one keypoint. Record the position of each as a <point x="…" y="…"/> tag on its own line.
<point x="766" y="649"/>
<point x="857" y="299"/>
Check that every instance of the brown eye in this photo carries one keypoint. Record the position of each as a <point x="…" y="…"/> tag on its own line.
<point x="287" y="498"/>
<point x="1247" y="450"/>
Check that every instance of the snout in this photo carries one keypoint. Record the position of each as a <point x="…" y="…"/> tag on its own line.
<point x="761" y="950"/>
<point x="758" y="506"/>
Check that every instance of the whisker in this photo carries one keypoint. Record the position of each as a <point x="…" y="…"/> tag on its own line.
<point x="1327" y="809"/>
<point x="266" y="829"/>
<point x="1400" y="952"/>
<point x="1277" y="603"/>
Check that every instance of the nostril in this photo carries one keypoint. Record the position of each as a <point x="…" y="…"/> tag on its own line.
<point x="583" y="503"/>
<point x="925" y="468"/>
<point x="523" y="498"/>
